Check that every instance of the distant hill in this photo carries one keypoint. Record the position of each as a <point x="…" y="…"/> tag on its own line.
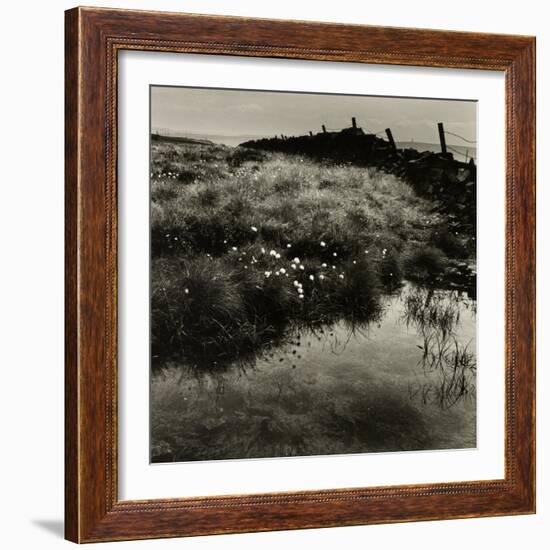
<point x="222" y="139"/>
<point x="180" y="139"/>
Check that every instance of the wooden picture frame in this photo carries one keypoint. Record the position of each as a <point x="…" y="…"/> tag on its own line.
<point x="93" y="511"/>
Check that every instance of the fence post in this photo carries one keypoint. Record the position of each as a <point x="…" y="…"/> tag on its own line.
<point x="324" y="129"/>
<point x="311" y="133"/>
<point x="353" y="122"/>
<point x="392" y="142"/>
<point x="442" y="137"/>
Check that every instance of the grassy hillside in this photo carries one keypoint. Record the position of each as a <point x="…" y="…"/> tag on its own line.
<point x="248" y="247"/>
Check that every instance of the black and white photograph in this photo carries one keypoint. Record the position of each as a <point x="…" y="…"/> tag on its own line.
<point x="312" y="274"/>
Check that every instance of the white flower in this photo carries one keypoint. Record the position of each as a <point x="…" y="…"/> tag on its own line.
<point x="234" y="248"/>
<point x="311" y="278"/>
<point x="300" y="290"/>
<point x="302" y="267"/>
<point x="293" y="266"/>
<point x="263" y="250"/>
<point x="354" y="262"/>
<point x="267" y="273"/>
<point x="296" y="260"/>
<point x="341" y="275"/>
<point x="272" y="253"/>
<point x="289" y="245"/>
<point x="296" y="284"/>
<point x="186" y="291"/>
<point x="366" y="251"/>
<point x="333" y="267"/>
<point x="323" y="243"/>
<point x="321" y="277"/>
<point x="300" y="296"/>
<point x="282" y="270"/>
<point x="334" y="254"/>
<point x="278" y="256"/>
<point x="255" y="229"/>
<point x="323" y="265"/>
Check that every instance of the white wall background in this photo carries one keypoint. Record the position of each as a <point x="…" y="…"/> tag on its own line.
<point x="31" y="272"/>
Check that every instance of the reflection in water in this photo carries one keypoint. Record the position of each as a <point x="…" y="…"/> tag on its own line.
<point x="436" y="316"/>
<point x="404" y="382"/>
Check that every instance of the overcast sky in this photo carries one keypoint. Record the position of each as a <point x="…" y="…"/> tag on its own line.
<point x="216" y="113"/>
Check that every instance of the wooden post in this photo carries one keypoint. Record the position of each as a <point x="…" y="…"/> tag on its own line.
<point x="324" y="129"/>
<point x="392" y="142"/>
<point x="353" y="122"/>
<point x="442" y="137"/>
<point x="311" y="133"/>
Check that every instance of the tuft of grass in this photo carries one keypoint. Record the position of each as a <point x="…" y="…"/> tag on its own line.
<point x="215" y="310"/>
<point x="425" y="264"/>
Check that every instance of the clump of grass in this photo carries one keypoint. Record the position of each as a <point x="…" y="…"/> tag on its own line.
<point x="451" y="371"/>
<point x="451" y="243"/>
<point x="425" y="264"/>
<point x="208" y="196"/>
<point x="218" y="309"/>
<point x="193" y="309"/>
<point x="391" y="271"/>
<point x="359" y="293"/>
<point x="430" y="311"/>
<point x="238" y="156"/>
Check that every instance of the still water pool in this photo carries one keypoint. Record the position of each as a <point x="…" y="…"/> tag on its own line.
<point x="404" y="383"/>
